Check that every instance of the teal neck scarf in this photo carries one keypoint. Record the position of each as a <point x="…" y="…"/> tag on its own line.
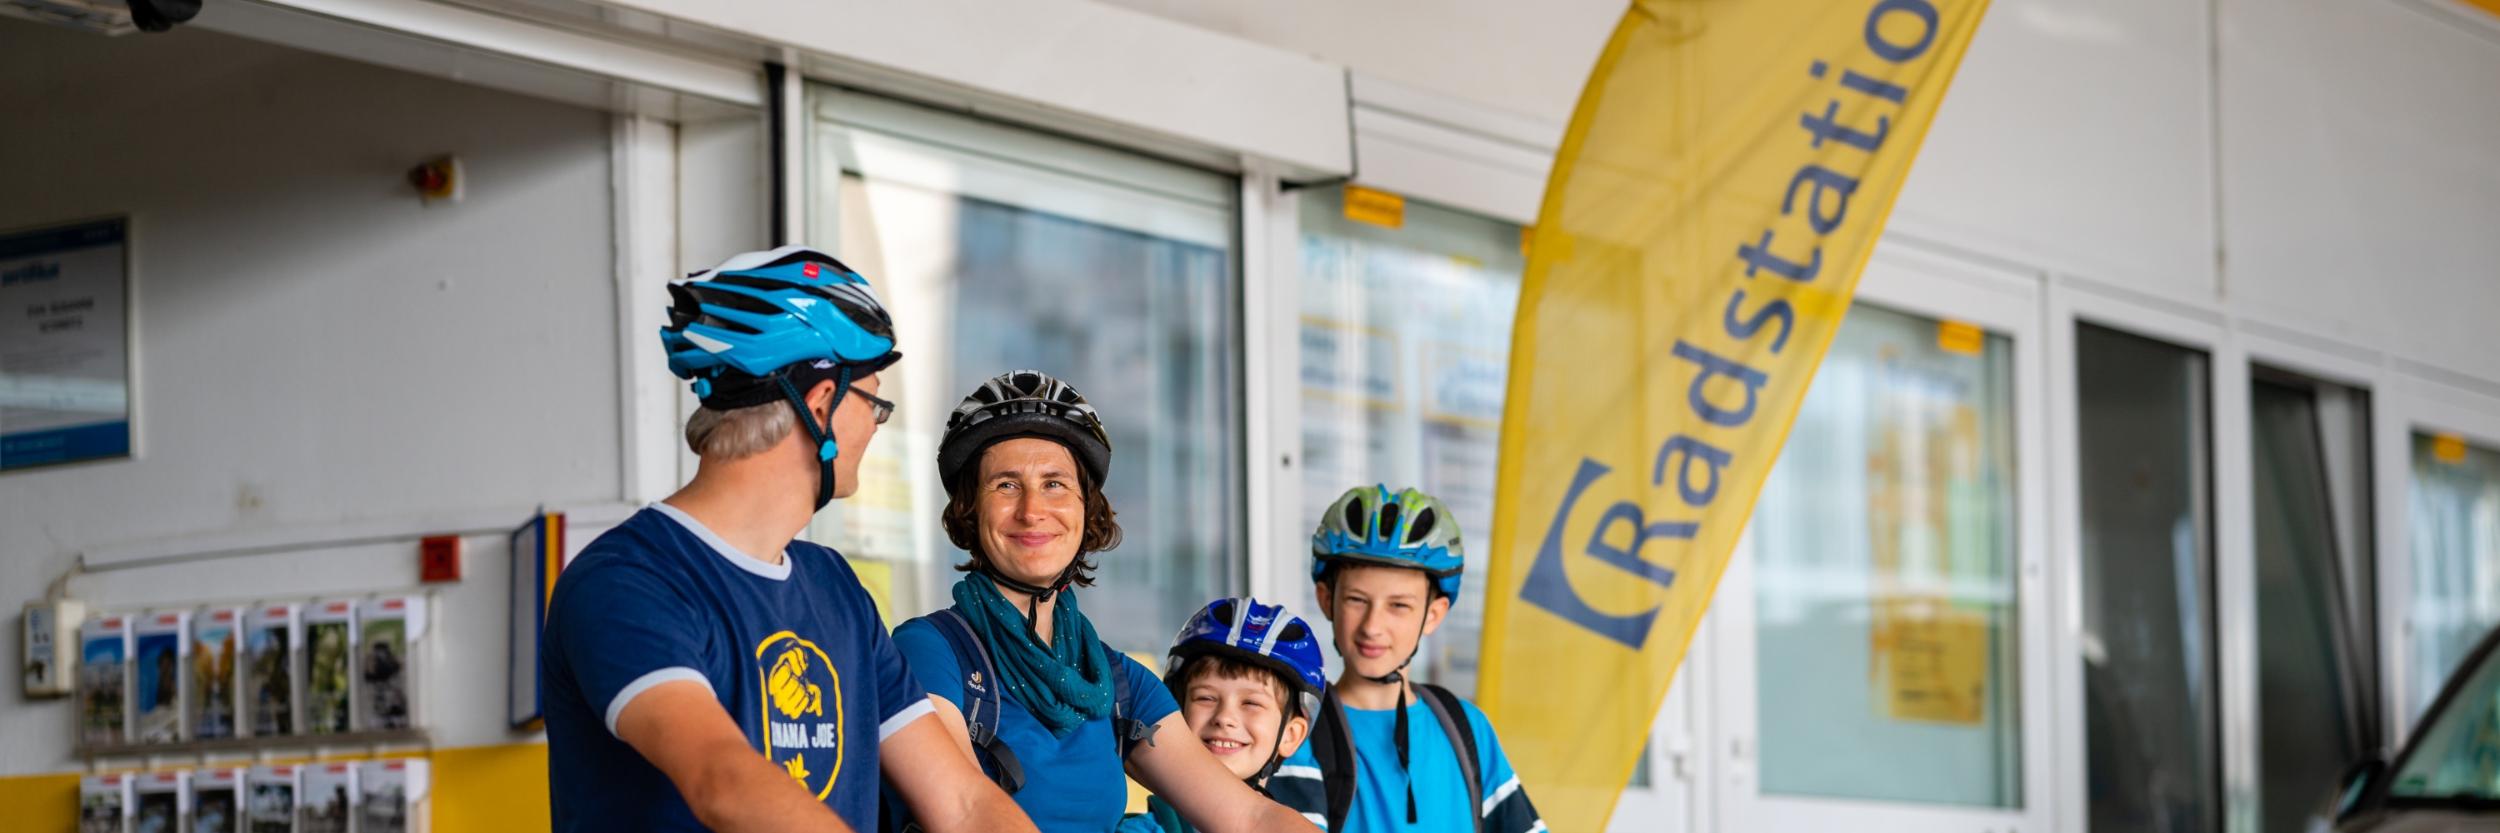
<point x="1064" y="684"/>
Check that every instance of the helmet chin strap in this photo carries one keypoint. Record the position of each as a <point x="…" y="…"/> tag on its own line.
<point x="1397" y="677"/>
<point x="826" y="449"/>
<point x="1039" y="594"/>
<point x="1275" y="757"/>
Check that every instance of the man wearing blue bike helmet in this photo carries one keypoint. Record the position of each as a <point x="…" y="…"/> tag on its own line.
<point x="702" y="669"/>
<point x="1387" y="567"/>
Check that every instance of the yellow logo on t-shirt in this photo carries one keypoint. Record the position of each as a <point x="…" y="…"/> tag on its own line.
<point x="802" y="710"/>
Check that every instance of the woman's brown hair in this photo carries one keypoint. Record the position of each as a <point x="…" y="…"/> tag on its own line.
<point x="962" y="520"/>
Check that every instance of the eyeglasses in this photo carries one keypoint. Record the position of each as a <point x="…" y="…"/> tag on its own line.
<point x="884" y="410"/>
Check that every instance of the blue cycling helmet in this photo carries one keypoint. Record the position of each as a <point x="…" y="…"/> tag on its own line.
<point x="769" y="325"/>
<point x="1405" y="528"/>
<point x="759" y="313"/>
<point x="1258" y="633"/>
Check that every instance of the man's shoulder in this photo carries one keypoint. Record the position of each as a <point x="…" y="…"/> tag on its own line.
<point x="825" y="567"/>
<point x="610" y="567"/>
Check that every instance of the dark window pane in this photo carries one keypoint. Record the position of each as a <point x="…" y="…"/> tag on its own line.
<point x="2317" y="690"/>
<point x="2148" y="652"/>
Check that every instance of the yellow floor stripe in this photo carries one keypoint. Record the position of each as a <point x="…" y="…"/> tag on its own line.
<point x="476" y="788"/>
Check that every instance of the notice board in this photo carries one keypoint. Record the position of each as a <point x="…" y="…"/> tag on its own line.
<point x="65" y="344"/>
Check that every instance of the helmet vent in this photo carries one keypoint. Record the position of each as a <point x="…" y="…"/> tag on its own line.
<point x="1353" y="515"/>
<point x="1388" y="522"/>
<point x="1423" y="525"/>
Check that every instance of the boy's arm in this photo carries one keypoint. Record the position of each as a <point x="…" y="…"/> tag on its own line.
<point x="1506" y="806"/>
<point x="679" y="727"/>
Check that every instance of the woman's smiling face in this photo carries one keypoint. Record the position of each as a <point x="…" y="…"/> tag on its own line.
<point x="1031" y="510"/>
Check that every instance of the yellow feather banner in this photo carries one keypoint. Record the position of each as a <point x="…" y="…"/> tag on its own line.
<point x="1723" y="181"/>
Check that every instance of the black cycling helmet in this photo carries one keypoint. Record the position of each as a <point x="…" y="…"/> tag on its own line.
<point x="1023" y="403"/>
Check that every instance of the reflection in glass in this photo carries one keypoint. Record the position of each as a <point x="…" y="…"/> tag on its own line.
<point x="2317" y="692"/>
<point x="2456" y="558"/>
<point x="2148" y="643"/>
<point x="1111" y="272"/>
<point x="1405" y="350"/>
<point x="1885" y="545"/>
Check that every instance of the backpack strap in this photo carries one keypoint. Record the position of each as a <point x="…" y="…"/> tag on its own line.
<point x="982" y="690"/>
<point x="1334" y="749"/>
<point x="1462" y="735"/>
<point x="1125" y="732"/>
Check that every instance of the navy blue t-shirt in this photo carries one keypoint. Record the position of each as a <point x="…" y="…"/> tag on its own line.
<point x="1070" y="784"/>
<point x="794" y="652"/>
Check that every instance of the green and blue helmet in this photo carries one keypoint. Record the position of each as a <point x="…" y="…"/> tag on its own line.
<point x="1406" y="528"/>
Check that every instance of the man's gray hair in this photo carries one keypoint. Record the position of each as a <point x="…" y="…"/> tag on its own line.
<point x="739" y="433"/>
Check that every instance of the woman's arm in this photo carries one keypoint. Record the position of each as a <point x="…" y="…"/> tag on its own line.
<point x="1177" y="767"/>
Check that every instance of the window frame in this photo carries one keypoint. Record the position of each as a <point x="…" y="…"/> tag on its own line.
<point x="1035" y="154"/>
<point x="1943" y="284"/>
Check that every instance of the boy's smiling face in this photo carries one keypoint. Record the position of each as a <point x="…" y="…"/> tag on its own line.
<point x="1237" y="712"/>
<point x="1379" y="614"/>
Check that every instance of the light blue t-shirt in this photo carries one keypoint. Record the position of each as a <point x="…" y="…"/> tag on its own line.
<point x="1441" y="802"/>
<point x="1073" y="783"/>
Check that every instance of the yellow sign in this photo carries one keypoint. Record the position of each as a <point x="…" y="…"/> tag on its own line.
<point x="2448" y="448"/>
<point x="1723" y="181"/>
<point x="1379" y="208"/>
<point x="877" y="577"/>
<point x="1931" y="661"/>
<point x="1962" y="338"/>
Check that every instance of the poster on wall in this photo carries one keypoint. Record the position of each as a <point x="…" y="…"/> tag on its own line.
<point x="64" y="344"/>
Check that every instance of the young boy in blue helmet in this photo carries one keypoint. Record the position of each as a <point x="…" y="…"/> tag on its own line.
<point x="1248" y="676"/>
<point x="703" y="670"/>
<point x="1394" y="754"/>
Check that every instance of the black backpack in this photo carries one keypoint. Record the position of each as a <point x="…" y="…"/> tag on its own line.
<point x="1335" y="751"/>
<point x="982" y="693"/>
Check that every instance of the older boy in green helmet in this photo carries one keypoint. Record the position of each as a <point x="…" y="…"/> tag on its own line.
<point x="1395" y="754"/>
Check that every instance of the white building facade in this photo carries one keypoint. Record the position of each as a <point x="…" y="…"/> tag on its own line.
<point x="2165" y="425"/>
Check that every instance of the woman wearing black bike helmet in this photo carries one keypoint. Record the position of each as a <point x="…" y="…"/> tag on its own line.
<point x="1050" y="712"/>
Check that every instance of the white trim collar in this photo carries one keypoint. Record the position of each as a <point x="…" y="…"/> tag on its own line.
<point x="749" y="563"/>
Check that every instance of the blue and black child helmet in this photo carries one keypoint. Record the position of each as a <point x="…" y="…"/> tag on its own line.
<point x="1262" y="635"/>
<point x="1405" y="528"/>
<point x="1254" y="632"/>
<point x="769" y="325"/>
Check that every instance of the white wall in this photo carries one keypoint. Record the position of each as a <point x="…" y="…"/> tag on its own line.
<point x="2362" y="146"/>
<point x="314" y="346"/>
<point x="1524" y="58"/>
<point x="2075" y="140"/>
<point x="2358" y="143"/>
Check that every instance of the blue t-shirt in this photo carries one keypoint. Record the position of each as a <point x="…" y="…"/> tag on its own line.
<point x="1440" y="799"/>
<point x="1070" y="784"/>
<point x="794" y="652"/>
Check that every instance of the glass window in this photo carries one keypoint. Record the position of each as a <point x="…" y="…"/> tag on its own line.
<point x="2148" y="644"/>
<point x="2317" y="658"/>
<point x="2456" y="558"/>
<point x="1001" y="249"/>
<point x="1405" y="351"/>
<point x="1884" y="547"/>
